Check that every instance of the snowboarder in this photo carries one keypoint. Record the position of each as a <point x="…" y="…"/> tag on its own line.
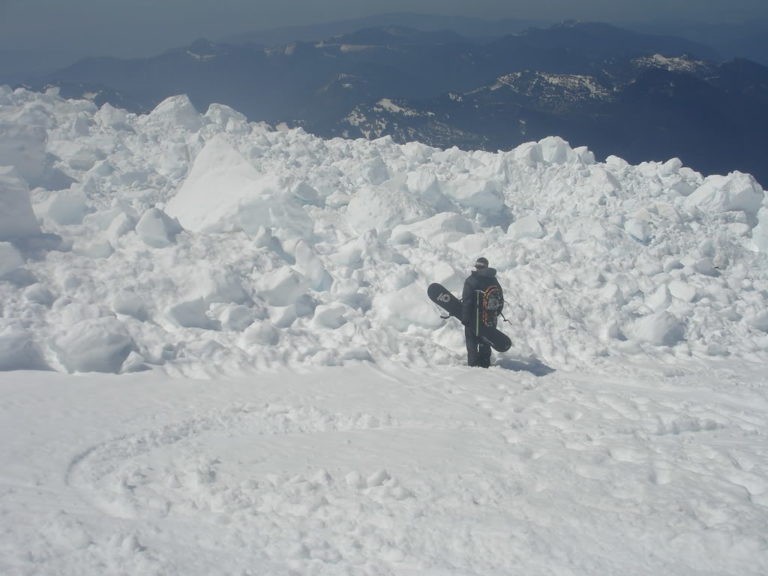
<point x="482" y="301"/>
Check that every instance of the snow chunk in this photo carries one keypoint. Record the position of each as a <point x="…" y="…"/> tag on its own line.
<point x="176" y="112"/>
<point x="659" y="329"/>
<point x="406" y="307"/>
<point x="330" y="316"/>
<point x="130" y="303"/>
<point x="526" y="227"/>
<point x="378" y="478"/>
<point x="10" y="259"/>
<point x="192" y="314"/>
<point x="659" y="299"/>
<point x="120" y="226"/>
<point x="442" y="228"/>
<point x="157" y="229"/>
<point x="224" y="193"/>
<point x="760" y="321"/>
<point x="85" y="158"/>
<point x="260" y="333"/>
<point x="639" y="229"/>
<point x="482" y="194"/>
<point x="282" y="287"/>
<point x="312" y="268"/>
<point x="39" y="294"/>
<point x="355" y="480"/>
<point x="671" y="167"/>
<point x="68" y="207"/>
<point x="236" y="317"/>
<point x="94" y="345"/>
<point x="211" y="283"/>
<point x="93" y="248"/>
<point x="528" y="154"/>
<point x="555" y="150"/>
<point x="19" y="352"/>
<point x="735" y="192"/>
<point x="603" y="181"/>
<point x="17" y="220"/>
<point x="112" y="117"/>
<point x="23" y="147"/>
<point x="226" y="118"/>
<point x="706" y="266"/>
<point x="760" y="232"/>
<point x="383" y="207"/>
<point x="682" y="290"/>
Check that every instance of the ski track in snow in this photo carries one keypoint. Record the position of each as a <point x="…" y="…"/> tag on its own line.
<point x="486" y="475"/>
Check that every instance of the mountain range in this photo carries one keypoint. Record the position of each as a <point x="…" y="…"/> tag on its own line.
<point x="635" y="95"/>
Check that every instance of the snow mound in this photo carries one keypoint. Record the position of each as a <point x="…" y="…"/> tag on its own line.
<point x="659" y="329"/>
<point x="383" y="207"/>
<point x="737" y="192"/>
<point x="201" y="243"/>
<point x="18" y="351"/>
<point x="156" y="229"/>
<point x="526" y="227"/>
<point x="224" y="192"/>
<point x="98" y="345"/>
<point x="176" y="113"/>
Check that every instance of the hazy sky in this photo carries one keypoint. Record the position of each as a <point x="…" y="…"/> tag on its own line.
<point x="145" y="27"/>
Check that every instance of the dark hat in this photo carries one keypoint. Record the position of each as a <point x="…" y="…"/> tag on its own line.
<point x="481" y="263"/>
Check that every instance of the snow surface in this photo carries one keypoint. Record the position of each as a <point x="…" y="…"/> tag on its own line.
<point x="218" y="356"/>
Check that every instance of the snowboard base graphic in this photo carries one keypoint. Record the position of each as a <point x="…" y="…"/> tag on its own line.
<point x="448" y="302"/>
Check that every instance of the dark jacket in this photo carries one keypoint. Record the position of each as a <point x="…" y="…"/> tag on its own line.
<point x="478" y="280"/>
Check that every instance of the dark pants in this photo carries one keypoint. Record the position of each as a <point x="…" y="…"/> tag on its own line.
<point x="478" y="351"/>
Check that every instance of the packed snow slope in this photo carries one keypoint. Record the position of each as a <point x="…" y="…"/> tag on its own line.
<point x="371" y="471"/>
<point x="205" y="244"/>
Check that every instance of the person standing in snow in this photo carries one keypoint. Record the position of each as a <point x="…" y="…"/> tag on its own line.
<point x="481" y="301"/>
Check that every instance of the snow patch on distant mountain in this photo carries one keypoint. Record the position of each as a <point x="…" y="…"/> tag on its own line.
<point x="388" y="105"/>
<point x="570" y="87"/>
<point x="672" y="64"/>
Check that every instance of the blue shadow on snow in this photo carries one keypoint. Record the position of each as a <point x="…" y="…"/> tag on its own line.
<point x="532" y="365"/>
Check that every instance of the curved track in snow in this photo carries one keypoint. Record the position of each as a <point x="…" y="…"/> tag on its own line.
<point x="370" y="471"/>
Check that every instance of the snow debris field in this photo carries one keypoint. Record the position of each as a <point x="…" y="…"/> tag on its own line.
<point x="217" y="355"/>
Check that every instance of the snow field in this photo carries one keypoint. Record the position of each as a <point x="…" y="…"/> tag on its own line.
<point x="397" y="471"/>
<point x="202" y="244"/>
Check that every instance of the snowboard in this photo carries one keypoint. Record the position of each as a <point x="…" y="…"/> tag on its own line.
<point x="448" y="302"/>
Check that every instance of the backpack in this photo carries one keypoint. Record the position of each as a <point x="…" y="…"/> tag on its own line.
<point x="490" y="302"/>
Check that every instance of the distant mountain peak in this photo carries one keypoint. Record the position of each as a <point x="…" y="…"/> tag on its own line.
<point x="633" y="94"/>
<point x="202" y="49"/>
<point x="387" y="105"/>
<point x="672" y="64"/>
<point x="571" y="87"/>
<point x="393" y="35"/>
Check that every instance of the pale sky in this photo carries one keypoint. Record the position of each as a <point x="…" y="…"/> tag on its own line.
<point x="146" y="27"/>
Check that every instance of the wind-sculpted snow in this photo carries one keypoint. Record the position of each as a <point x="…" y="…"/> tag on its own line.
<point x="202" y="244"/>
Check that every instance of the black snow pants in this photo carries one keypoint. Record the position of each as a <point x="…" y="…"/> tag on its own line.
<point x="478" y="351"/>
